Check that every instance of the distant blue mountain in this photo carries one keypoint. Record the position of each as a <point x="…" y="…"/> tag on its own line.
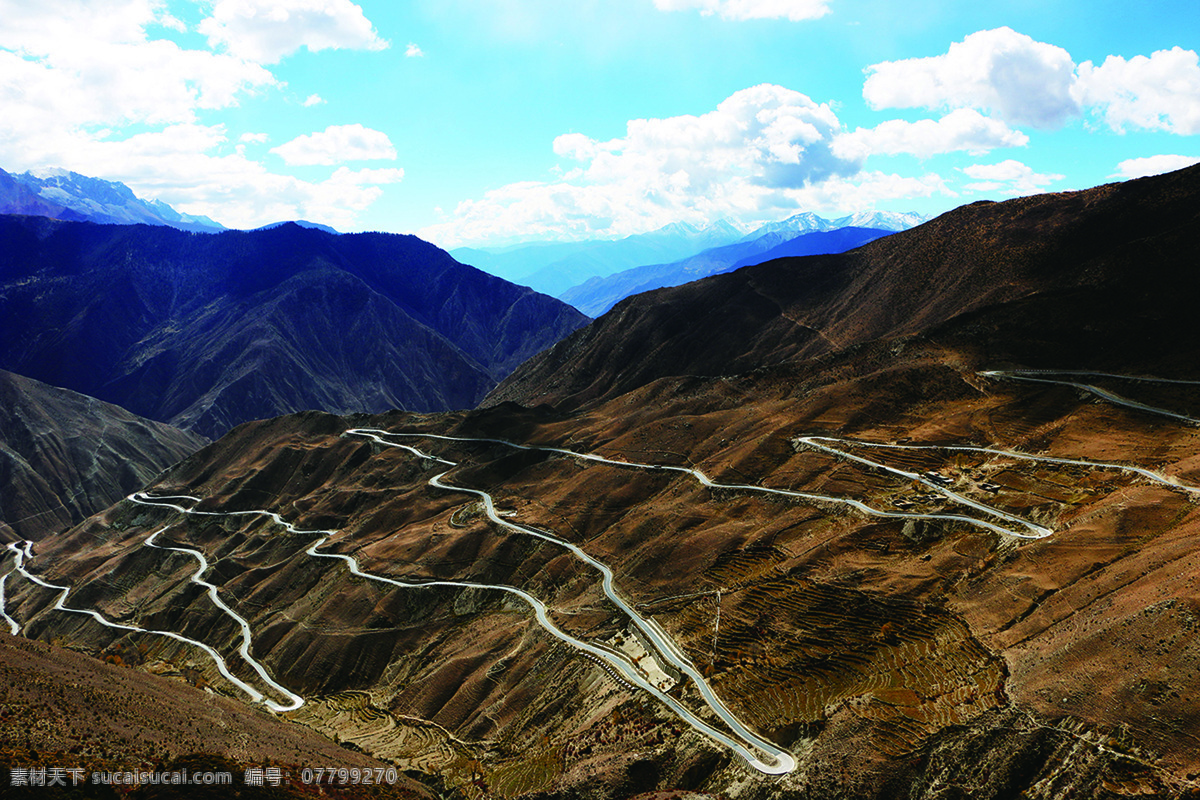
<point x="597" y="295"/>
<point x="67" y="195"/>
<point x="17" y="198"/>
<point x="554" y="267"/>
<point x="563" y="269"/>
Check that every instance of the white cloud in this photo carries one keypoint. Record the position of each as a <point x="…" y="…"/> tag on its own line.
<point x="962" y="129"/>
<point x="1161" y="92"/>
<point x="841" y="196"/>
<point x="183" y="165"/>
<point x="794" y="10"/>
<point x="74" y="64"/>
<point x="1021" y="80"/>
<point x="770" y="135"/>
<point x="760" y="154"/>
<point x="265" y="31"/>
<point x="412" y="51"/>
<point x="313" y="100"/>
<point x="1153" y="165"/>
<point x="73" y="73"/>
<point x="41" y="28"/>
<point x="368" y="177"/>
<point x="1009" y="177"/>
<point x="336" y="144"/>
<point x="165" y="19"/>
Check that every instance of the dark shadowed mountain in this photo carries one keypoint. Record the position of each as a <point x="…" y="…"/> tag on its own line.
<point x="1033" y="279"/>
<point x="821" y="243"/>
<point x="303" y="223"/>
<point x="597" y="295"/>
<point x="207" y="331"/>
<point x="65" y="456"/>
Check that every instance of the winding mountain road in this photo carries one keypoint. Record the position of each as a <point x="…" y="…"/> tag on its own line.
<point x="758" y="753"/>
<point x="1157" y="477"/>
<point x="1025" y="529"/>
<point x="1031" y="377"/>
<point x="667" y="650"/>
<point x="294" y="700"/>
<point x="60" y="605"/>
<point x="13" y="627"/>
<point x="777" y="761"/>
<point x="1031" y="530"/>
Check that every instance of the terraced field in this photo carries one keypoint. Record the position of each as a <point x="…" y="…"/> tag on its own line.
<point x="408" y="742"/>
<point x="790" y="649"/>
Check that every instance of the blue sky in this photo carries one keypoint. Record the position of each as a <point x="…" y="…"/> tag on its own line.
<point x="474" y="121"/>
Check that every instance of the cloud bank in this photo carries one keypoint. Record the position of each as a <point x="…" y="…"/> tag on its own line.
<point x="1158" y="93"/>
<point x="264" y="31"/>
<point x="962" y="129"/>
<point x="1010" y="178"/>
<point x="336" y="144"/>
<point x="794" y="10"/>
<point x="763" y="151"/>
<point x="1026" y="82"/>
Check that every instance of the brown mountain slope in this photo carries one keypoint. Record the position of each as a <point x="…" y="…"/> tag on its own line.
<point x="892" y="658"/>
<point x="63" y="709"/>
<point x="65" y="456"/>
<point x="1115" y="265"/>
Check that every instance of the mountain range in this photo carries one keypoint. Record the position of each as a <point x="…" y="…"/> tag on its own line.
<point x="562" y="269"/>
<point x="917" y="519"/>
<point x="67" y="195"/>
<point x="807" y="222"/>
<point x="205" y="331"/>
<point x="597" y="295"/>
<point x="554" y="267"/>
<point x="976" y="262"/>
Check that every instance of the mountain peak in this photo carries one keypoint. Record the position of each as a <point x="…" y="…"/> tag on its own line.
<point x="340" y="323"/>
<point x="46" y="173"/>
<point x="886" y="220"/>
<point x="675" y="229"/>
<point x="98" y="200"/>
<point x="808" y="222"/>
<point x="303" y="223"/>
